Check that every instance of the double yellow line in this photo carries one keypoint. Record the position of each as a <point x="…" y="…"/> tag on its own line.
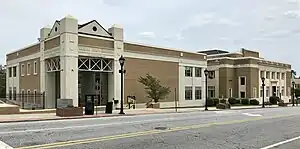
<point x="143" y="133"/>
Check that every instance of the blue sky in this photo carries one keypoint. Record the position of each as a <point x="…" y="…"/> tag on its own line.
<point x="271" y="27"/>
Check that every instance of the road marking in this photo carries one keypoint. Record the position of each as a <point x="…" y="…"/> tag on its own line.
<point x="249" y="114"/>
<point x="281" y="143"/>
<point x="143" y="133"/>
<point x="5" y="146"/>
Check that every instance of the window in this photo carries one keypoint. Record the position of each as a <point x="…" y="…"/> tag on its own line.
<point x="188" y="93"/>
<point x="273" y="75"/>
<point x="282" y="76"/>
<point x="34" y="68"/>
<point x="198" y="72"/>
<point x="9" y="72"/>
<point x="28" y="68"/>
<point x="262" y="74"/>
<point x="242" y="80"/>
<point x="261" y="91"/>
<point x="10" y="93"/>
<point x="211" y="91"/>
<point x="278" y="75"/>
<point x="14" y="93"/>
<point x="211" y="74"/>
<point x="188" y="71"/>
<point x="22" y="70"/>
<point x="282" y="91"/>
<point x="22" y="95"/>
<point x="14" y="71"/>
<point x="267" y="91"/>
<point x="278" y="91"/>
<point x="254" y="92"/>
<point x="198" y="93"/>
<point x="268" y="75"/>
<point x="242" y="94"/>
<point x="230" y="92"/>
<point x="28" y="95"/>
<point x="34" y="97"/>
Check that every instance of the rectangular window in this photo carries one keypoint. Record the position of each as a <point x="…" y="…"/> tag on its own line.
<point x="28" y="96"/>
<point x="282" y="76"/>
<point x="243" y="80"/>
<point x="262" y="74"/>
<point x="10" y="93"/>
<point x="198" y="72"/>
<point x="188" y="93"/>
<point x="22" y="95"/>
<point x="268" y="75"/>
<point x="211" y="91"/>
<point x="261" y="91"/>
<point x="242" y="94"/>
<point x="34" y="67"/>
<point x="278" y="75"/>
<point x="273" y="75"/>
<point x="28" y="68"/>
<point x="254" y="92"/>
<point x="198" y="93"/>
<point x="14" y="71"/>
<point x="278" y="91"/>
<point x="188" y="71"/>
<point x="22" y="70"/>
<point x="267" y="91"/>
<point x="230" y="92"/>
<point x="34" y="96"/>
<point x="282" y="91"/>
<point x="211" y="74"/>
<point x="10" y="72"/>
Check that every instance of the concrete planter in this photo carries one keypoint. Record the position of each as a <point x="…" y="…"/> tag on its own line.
<point x="69" y="111"/>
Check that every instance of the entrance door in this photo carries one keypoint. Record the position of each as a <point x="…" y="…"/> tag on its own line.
<point x="274" y="90"/>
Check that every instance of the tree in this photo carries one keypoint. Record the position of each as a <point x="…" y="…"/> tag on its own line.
<point x="153" y="88"/>
<point x="297" y="92"/>
<point x="2" y="80"/>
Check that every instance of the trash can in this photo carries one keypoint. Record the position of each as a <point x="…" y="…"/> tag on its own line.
<point x="109" y="107"/>
<point x="89" y="107"/>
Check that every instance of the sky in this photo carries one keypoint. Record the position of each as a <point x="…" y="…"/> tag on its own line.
<point x="271" y="27"/>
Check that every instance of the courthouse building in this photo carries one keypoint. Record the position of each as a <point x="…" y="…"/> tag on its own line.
<point x="239" y="74"/>
<point x="71" y="60"/>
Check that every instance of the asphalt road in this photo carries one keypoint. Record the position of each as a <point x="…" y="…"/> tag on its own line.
<point x="231" y="129"/>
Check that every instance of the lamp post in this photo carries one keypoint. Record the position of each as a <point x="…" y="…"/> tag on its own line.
<point x="263" y="92"/>
<point x="206" y="74"/>
<point x="122" y="71"/>
<point x="293" y="83"/>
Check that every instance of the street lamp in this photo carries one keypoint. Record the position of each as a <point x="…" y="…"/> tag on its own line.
<point x="206" y="74"/>
<point x="293" y="83"/>
<point x="263" y="91"/>
<point x="122" y="71"/>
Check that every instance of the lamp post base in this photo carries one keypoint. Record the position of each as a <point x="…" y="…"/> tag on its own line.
<point x="205" y="109"/>
<point x="121" y="112"/>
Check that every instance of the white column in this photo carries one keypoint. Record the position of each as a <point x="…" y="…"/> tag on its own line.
<point x="50" y="90"/>
<point x="69" y="59"/>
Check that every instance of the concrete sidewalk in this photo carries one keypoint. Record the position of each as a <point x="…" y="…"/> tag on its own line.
<point x="128" y="112"/>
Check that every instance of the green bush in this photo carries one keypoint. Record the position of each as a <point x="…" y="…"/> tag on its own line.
<point x="216" y="101"/>
<point x="223" y="106"/>
<point x="273" y="100"/>
<point x="245" y="101"/>
<point x="222" y="101"/>
<point x="237" y="101"/>
<point x="232" y="100"/>
<point x="254" y="102"/>
<point x="210" y="102"/>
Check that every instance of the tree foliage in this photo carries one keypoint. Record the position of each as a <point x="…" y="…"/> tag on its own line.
<point x="153" y="88"/>
<point x="297" y="92"/>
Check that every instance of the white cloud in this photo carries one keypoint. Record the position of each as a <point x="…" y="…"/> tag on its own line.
<point x="225" y="21"/>
<point x="224" y="38"/>
<point x="269" y="18"/>
<point x="292" y="14"/>
<point x="149" y="35"/>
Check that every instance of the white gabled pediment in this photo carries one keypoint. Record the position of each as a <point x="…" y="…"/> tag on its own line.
<point x="94" y="28"/>
<point x="55" y="29"/>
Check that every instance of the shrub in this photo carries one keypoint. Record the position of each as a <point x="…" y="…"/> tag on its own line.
<point x="237" y="101"/>
<point x="273" y="100"/>
<point x="254" y="102"/>
<point x="216" y="101"/>
<point x="232" y="100"/>
<point x="223" y="106"/>
<point x="222" y="101"/>
<point x="210" y="102"/>
<point x="245" y="101"/>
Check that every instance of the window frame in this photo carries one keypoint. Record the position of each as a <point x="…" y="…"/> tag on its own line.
<point x="28" y="68"/>
<point x="188" y="90"/>
<point x="22" y="69"/>
<point x="35" y="68"/>
<point x="186" y="69"/>
<point x="198" y="89"/>
<point x="198" y="72"/>
<point x="243" y="77"/>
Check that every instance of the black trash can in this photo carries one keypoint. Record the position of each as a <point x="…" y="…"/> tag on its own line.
<point x="89" y="107"/>
<point x="109" y="107"/>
